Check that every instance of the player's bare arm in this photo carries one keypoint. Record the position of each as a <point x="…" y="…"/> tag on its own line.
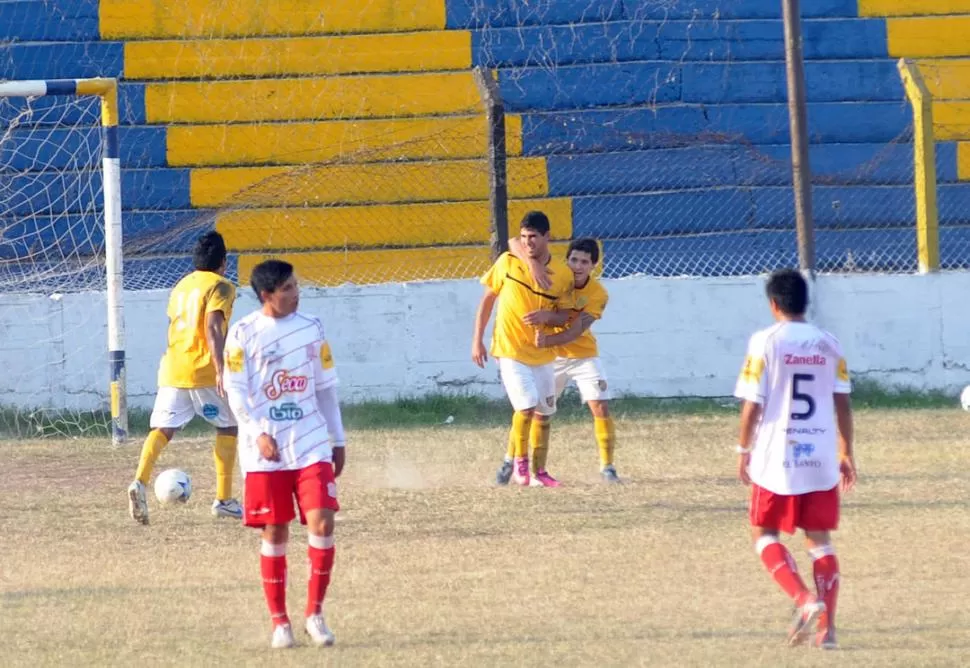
<point x="268" y="447"/>
<point x="538" y="270"/>
<point x="575" y="330"/>
<point x="482" y="316"/>
<point x="750" y="417"/>
<point x="215" y="323"/>
<point x="843" y="417"/>
<point x="550" y="318"/>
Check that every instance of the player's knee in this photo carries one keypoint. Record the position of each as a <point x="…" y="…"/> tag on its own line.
<point x="321" y="523"/>
<point x="167" y="432"/>
<point x="277" y="534"/>
<point x="599" y="409"/>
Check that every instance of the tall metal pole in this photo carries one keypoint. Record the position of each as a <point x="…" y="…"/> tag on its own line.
<point x="797" y="117"/>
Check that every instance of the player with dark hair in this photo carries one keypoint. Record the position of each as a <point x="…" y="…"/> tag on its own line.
<point x="577" y="352"/>
<point x="190" y="375"/>
<point x="282" y="387"/>
<point x="796" y="447"/>
<point x="526" y="369"/>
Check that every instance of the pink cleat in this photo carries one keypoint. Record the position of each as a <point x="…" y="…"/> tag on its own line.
<point x="521" y="474"/>
<point x="543" y="479"/>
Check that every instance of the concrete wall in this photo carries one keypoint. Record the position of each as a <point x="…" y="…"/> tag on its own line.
<point x="662" y="337"/>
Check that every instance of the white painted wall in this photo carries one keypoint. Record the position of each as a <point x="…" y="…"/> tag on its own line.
<point x="661" y="337"/>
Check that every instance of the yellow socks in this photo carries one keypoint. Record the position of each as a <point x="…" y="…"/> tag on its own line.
<point x="540" y="443"/>
<point x="519" y="436"/>
<point x="152" y="448"/>
<point x="510" y="451"/>
<point x="224" y="454"/>
<point x="605" y="439"/>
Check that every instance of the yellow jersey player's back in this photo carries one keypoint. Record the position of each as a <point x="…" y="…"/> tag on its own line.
<point x="190" y="375"/>
<point x="188" y="362"/>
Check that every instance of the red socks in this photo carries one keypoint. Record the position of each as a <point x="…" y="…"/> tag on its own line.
<point x="826" y="570"/>
<point x="780" y="564"/>
<point x="272" y="564"/>
<point x="321" y="554"/>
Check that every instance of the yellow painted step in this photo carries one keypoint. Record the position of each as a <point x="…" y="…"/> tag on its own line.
<point x="125" y="19"/>
<point x="947" y="79"/>
<point x="929" y="37"/>
<point x="963" y="161"/>
<point x="912" y="7"/>
<point x="380" y="225"/>
<point x="372" y="96"/>
<point x="951" y="120"/>
<point x="347" y="141"/>
<point x="376" y="183"/>
<point x="329" y="268"/>
<point x="224" y="58"/>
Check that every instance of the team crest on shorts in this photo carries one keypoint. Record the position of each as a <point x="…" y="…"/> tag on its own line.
<point x="602" y="384"/>
<point x="210" y="411"/>
<point x="550" y="401"/>
<point x="332" y="490"/>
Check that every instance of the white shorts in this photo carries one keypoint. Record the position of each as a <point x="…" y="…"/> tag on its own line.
<point x="529" y="386"/>
<point x="588" y="375"/>
<point x="175" y="407"/>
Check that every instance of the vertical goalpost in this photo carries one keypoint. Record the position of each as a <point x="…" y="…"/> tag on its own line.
<point x="107" y="90"/>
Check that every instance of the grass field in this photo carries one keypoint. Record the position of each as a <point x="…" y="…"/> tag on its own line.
<point x="435" y="566"/>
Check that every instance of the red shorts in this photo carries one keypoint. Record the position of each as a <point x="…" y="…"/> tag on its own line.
<point x="814" y="511"/>
<point x="269" y="494"/>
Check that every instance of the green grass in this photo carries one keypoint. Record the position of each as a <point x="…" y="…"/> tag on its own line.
<point x="464" y="410"/>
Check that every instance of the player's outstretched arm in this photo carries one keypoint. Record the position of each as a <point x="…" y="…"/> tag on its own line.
<point x="576" y="329"/>
<point x="215" y="323"/>
<point x="330" y="409"/>
<point x="539" y="271"/>
<point x="843" y="417"/>
<point x="482" y="315"/>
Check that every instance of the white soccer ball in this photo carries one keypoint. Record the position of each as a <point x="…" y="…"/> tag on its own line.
<point x="173" y="486"/>
<point x="965" y="398"/>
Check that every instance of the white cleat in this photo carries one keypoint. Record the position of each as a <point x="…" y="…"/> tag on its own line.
<point x="227" y="508"/>
<point x="803" y="621"/>
<point x="320" y="634"/>
<point x="283" y="637"/>
<point x="137" y="504"/>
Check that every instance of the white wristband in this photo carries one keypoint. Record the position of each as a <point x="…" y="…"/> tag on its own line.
<point x="742" y="450"/>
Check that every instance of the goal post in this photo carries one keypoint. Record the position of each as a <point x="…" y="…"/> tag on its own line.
<point x="107" y="90"/>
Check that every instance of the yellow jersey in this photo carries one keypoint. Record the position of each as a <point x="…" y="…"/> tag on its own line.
<point x="591" y="299"/>
<point x="188" y="363"/>
<point x="518" y="294"/>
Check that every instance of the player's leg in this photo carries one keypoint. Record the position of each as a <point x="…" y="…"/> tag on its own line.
<point x="215" y="410"/>
<point x="269" y="507"/>
<point x="545" y="381"/>
<point x="593" y="387"/>
<point x="317" y="498"/>
<point x="771" y="513"/>
<point x="172" y="411"/>
<point x="819" y="517"/>
<point x="519" y="383"/>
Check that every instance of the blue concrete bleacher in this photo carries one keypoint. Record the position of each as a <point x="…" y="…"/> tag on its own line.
<point x="665" y="123"/>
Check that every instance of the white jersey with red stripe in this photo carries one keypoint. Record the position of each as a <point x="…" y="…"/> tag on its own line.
<point x="274" y="367"/>
<point x="793" y="369"/>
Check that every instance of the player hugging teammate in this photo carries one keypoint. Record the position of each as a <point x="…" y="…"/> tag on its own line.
<point x="560" y="333"/>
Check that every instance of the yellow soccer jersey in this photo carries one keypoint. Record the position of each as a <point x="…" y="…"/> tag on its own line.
<point x="519" y="294"/>
<point x="591" y="299"/>
<point x="188" y="362"/>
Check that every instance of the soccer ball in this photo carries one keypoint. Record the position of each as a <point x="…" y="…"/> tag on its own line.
<point x="965" y="398"/>
<point x="173" y="486"/>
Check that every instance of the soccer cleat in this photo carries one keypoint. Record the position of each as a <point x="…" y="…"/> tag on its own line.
<point x="825" y="639"/>
<point x="227" y="508"/>
<point x="282" y="637"/>
<point x="521" y="473"/>
<point x="543" y="479"/>
<point x="504" y="474"/>
<point x="320" y="634"/>
<point x="803" y="620"/>
<point x="609" y="474"/>
<point x="137" y="504"/>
